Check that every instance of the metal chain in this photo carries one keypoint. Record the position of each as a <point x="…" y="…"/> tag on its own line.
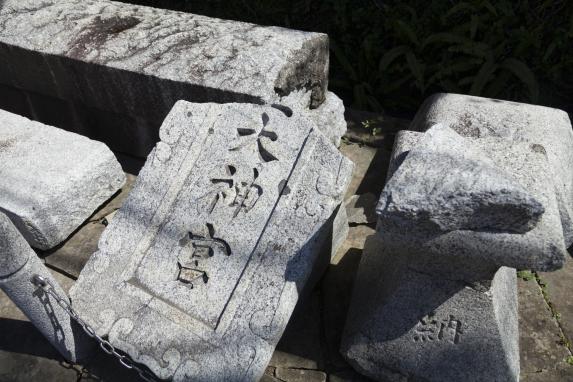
<point x="105" y="345"/>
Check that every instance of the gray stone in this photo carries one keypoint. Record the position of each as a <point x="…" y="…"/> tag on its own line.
<point x="132" y="63"/>
<point x="198" y="272"/>
<point x="471" y="254"/>
<point x="407" y="325"/>
<point x="547" y="130"/>
<point x="329" y="116"/>
<point x="18" y="265"/>
<point x="435" y="299"/>
<point x="52" y="180"/>
<point x="446" y="183"/>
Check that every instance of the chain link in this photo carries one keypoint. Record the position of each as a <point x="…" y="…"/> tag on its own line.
<point x="105" y="345"/>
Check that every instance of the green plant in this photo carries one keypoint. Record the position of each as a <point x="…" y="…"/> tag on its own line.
<point x="526" y="275"/>
<point x="569" y="360"/>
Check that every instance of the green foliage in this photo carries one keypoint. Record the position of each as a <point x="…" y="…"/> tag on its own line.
<point x="569" y="360"/>
<point x="392" y="54"/>
<point x="526" y="275"/>
<point x="517" y="50"/>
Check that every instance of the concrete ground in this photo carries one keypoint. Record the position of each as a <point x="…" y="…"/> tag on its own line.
<point x="308" y="350"/>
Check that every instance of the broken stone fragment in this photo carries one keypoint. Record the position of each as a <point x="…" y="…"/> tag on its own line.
<point x="114" y="70"/>
<point x="199" y="271"/>
<point x="545" y="129"/>
<point x="18" y="265"/>
<point x="52" y="180"/>
<point x="446" y="183"/>
<point x="470" y="255"/>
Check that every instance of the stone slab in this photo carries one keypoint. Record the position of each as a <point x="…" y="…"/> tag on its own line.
<point x="549" y="129"/>
<point x="105" y="63"/>
<point x="198" y="272"/>
<point x="404" y="324"/>
<point x="542" y="248"/>
<point x="53" y="180"/>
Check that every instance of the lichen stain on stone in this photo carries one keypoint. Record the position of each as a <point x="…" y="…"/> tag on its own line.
<point x="98" y="32"/>
<point x="306" y="70"/>
<point x="6" y="143"/>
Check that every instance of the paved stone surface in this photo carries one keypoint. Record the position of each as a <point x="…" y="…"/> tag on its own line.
<point x="300" y="375"/>
<point x="53" y="180"/>
<point x="558" y="291"/>
<point x="361" y="209"/>
<point x="547" y="130"/>
<point x="542" y="350"/>
<point x="218" y="283"/>
<point x="75" y="59"/>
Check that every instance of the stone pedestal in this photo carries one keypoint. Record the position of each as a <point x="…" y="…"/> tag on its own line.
<point x="18" y="265"/>
<point x="407" y="325"/>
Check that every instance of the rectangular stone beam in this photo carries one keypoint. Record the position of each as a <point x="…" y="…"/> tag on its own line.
<point x="113" y="70"/>
<point x="52" y="180"/>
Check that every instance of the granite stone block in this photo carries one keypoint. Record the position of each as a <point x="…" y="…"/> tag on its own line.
<point x="52" y="180"/>
<point x="435" y="296"/>
<point x="198" y="272"/>
<point x="18" y="265"/>
<point x="133" y="62"/>
<point x="548" y="130"/>
<point x="471" y="254"/>
<point x="446" y="183"/>
<point x="406" y="325"/>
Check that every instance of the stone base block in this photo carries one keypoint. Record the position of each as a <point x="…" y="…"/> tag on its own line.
<point x="406" y="325"/>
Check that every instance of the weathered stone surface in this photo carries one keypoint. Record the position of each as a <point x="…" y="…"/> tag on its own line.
<point x="18" y="264"/>
<point x="446" y="183"/>
<point x="543" y="352"/>
<point x="434" y="298"/>
<point x="199" y="271"/>
<point x="52" y="180"/>
<point x="132" y="63"/>
<point x="329" y="116"/>
<point x="470" y="254"/>
<point x="407" y="325"/>
<point x="547" y="130"/>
